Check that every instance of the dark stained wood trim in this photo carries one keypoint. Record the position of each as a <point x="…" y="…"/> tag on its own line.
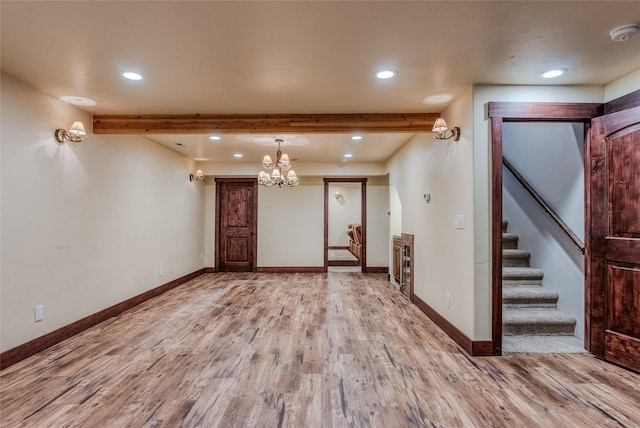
<point x="210" y="270"/>
<point x="572" y="112"/>
<point x="344" y="263"/>
<point x="262" y="123"/>
<point x="625" y="102"/>
<point x="408" y="239"/>
<point x="290" y="269"/>
<point x="363" y="216"/>
<point x="339" y="248"/>
<point x="550" y="212"/>
<point x="19" y="353"/>
<point x="500" y="112"/>
<point x="588" y="135"/>
<point x="220" y="181"/>
<point x="326" y="225"/>
<point x="376" y="269"/>
<point x="496" y="234"/>
<point x="474" y="348"/>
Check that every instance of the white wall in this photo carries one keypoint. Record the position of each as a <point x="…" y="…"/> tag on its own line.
<point x="550" y="156"/>
<point x="378" y="240"/>
<point x="443" y="255"/>
<point x="209" y="185"/>
<point x="343" y="211"/>
<point x="291" y="225"/>
<point x="88" y="225"/>
<point x="622" y="86"/>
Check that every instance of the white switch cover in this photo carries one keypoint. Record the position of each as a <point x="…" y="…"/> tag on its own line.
<point x="39" y="315"/>
<point x="459" y="221"/>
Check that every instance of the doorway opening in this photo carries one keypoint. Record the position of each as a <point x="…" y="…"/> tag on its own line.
<point x="345" y="224"/>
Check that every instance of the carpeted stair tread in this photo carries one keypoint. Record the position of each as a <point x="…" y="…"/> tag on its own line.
<point x="543" y="344"/>
<point x="536" y="321"/>
<point x="515" y="258"/>
<point x="522" y="277"/>
<point x="529" y="297"/>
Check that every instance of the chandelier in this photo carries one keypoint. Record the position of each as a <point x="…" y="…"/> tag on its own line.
<point x="281" y="173"/>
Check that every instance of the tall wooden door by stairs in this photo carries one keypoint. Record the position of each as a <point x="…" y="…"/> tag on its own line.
<point x="236" y="221"/>
<point x="613" y="238"/>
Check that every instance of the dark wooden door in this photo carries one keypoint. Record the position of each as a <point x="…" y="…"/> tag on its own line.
<point x="236" y="220"/>
<point x="613" y="241"/>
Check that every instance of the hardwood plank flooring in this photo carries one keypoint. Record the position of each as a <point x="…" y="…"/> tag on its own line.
<point x="301" y="350"/>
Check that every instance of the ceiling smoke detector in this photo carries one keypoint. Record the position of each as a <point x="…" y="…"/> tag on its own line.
<point x="624" y="33"/>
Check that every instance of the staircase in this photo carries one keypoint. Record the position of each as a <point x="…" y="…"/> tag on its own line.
<point x="531" y="321"/>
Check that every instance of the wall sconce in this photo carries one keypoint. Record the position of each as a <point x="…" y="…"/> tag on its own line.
<point x="339" y="196"/>
<point x="440" y="130"/>
<point x="198" y="176"/>
<point x="75" y="134"/>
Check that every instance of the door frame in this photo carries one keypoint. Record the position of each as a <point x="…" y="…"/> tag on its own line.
<point x="499" y="113"/>
<point x="254" y="241"/>
<point x="363" y="217"/>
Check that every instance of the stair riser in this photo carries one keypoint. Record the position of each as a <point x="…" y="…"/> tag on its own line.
<point x="510" y="243"/>
<point x="529" y="304"/>
<point x="522" y="282"/>
<point x="533" y="329"/>
<point x="515" y="261"/>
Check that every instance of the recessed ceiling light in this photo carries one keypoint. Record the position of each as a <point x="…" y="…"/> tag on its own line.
<point x="237" y="155"/>
<point x="553" y="73"/>
<point x="78" y="101"/>
<point x="201" y="159"/>
<point x="348" y="155"/>
<point x="385" y="74"/>
<point x="356" y="137"/>
<point x="132" y="75"/>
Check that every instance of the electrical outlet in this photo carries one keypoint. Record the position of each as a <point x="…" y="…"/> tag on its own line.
<point x="447" y="298"/>
<point x="39" y="313"/>
<point x="160" y="271"/>
<point x="201" y="256"/>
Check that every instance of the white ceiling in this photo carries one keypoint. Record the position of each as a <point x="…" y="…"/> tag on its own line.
<point x="243" y="57"/>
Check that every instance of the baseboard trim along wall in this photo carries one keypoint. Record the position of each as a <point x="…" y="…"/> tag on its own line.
<point x="19" y="353"/>
<point x="290" y="269"/>
<point x="475" y="348"/>
<point x="376" y="269"/>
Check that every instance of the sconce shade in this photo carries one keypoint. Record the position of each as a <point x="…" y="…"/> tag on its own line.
<point x="442" y="132"/>
<point x="75" y="134"/>
<point x="198" y="176"/>
<point x="440" y="125"/>
<point x="77" y="130"/>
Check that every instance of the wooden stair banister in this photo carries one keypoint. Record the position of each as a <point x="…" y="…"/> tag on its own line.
<point x="543" y="204"/>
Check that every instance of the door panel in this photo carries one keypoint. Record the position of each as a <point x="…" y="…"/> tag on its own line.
<point x="614" y="237"/>
<point x="236" y="221"/>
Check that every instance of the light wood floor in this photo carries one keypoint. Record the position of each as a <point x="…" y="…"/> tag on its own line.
<point x="301" y="350"/>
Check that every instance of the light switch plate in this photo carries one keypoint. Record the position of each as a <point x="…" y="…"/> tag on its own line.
<point x="459" y="221"/>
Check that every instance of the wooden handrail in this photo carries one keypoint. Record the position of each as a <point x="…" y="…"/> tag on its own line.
<point x="542" y="203"/>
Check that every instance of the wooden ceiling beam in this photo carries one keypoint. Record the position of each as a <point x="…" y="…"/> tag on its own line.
<point x="263" y="124"/>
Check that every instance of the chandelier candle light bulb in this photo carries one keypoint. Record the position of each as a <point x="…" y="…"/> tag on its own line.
<point x="282" y="174"/>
